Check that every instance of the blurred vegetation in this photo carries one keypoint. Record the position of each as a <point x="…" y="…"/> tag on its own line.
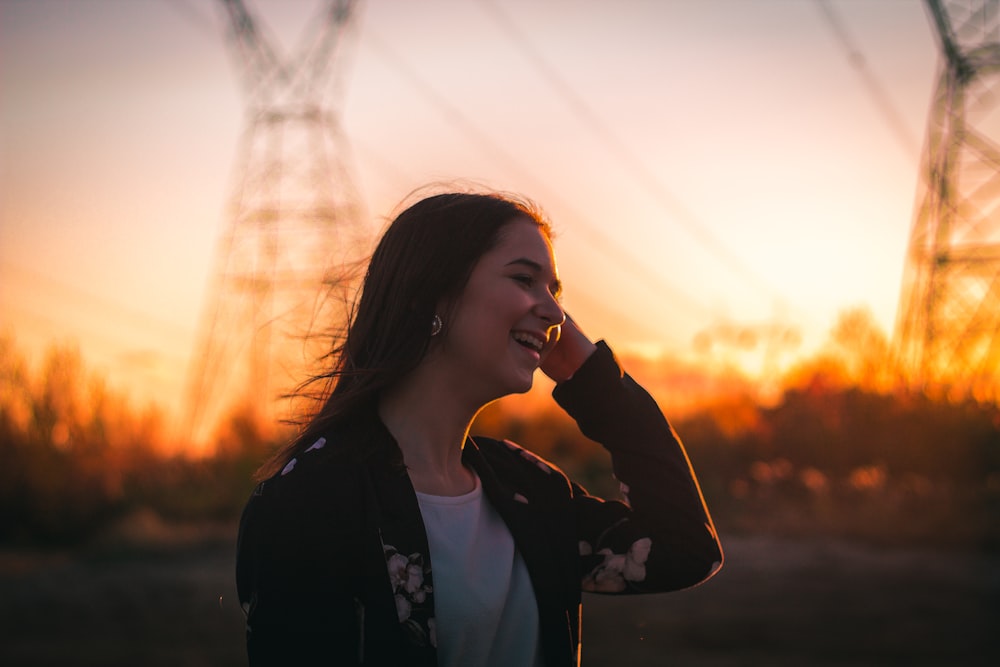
<point x="842" y="452"/>
<point x="77" y="456"/>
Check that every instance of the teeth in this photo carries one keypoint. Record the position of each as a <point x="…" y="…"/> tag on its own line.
<point x="535" y="343"/>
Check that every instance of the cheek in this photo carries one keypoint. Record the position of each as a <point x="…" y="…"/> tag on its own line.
<point x="492" y="310"/>
<point x="477" y="323"/>
<point x="496" y="304"/>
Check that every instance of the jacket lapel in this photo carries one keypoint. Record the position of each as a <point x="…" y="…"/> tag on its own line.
<point x="404" y="548"/>
<point x="527" y="510"/>
<point x="540" y="520"/>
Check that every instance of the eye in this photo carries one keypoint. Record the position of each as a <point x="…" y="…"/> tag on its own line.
<point x="524" y="279"/>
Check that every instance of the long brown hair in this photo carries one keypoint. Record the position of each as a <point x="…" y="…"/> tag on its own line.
<point x="424" y="258"/>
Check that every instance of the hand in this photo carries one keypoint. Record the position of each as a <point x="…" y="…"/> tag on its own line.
<point x="572" y="348"/>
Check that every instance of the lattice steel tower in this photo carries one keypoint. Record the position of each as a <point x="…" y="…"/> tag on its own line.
<point x="294" y="222"/>
<point x="948" y="327"/>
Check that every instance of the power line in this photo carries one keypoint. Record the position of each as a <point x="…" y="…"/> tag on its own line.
<point x="873" y="86"/>
<point x="607" y="245"/>
<point x="642" y="175"/>
<point x="61" y="291"/>
<point x="193" y="16"/>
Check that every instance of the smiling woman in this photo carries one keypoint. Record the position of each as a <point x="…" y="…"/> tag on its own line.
<point x="460" y="306"/>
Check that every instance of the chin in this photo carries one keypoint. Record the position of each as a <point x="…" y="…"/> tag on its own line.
<point x="528" y="383"/>
<point x="520" y="386"/>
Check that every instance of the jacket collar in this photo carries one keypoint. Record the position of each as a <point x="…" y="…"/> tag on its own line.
<point x="404" y="544"/>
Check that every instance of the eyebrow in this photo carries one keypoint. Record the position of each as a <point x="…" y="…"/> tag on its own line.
<point x="556" y="285"/>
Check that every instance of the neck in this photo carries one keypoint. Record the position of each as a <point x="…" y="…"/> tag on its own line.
<point x="430" y="422"/>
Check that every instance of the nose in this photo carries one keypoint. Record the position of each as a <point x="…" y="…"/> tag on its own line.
<point x="550" y="311"/>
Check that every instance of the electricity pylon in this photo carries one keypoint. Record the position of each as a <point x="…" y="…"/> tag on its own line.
<point x="948" y="326"/>
<point x="282" y="268"/>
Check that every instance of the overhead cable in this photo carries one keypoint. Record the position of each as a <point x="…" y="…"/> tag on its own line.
<point x="678" y="212"/>
<point x="193" y="16"/>
<point x="893" y="119"/>
<point x="458" y="119"/>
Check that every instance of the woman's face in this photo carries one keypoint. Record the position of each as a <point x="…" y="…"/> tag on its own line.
<point x="507" y="318"/>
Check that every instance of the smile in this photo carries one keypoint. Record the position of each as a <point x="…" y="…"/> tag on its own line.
<point x="529" y="340"/>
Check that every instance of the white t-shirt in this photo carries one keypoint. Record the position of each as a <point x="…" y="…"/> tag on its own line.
<point x="484" y="604"/>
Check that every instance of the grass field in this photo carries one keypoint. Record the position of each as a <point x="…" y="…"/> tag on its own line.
<point x="776" y="602"/>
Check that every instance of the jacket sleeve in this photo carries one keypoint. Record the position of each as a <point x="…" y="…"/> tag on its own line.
<point x="662" y="537"/>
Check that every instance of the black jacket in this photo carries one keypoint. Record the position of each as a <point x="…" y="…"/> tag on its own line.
<point x="321" y="544"/>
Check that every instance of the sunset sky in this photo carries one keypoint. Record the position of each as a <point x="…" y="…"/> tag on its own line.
<point x="705" y="162"/>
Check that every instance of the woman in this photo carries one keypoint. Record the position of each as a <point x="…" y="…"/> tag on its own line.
<point x="385" y="535"/>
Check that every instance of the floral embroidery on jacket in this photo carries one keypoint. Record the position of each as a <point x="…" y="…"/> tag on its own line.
<point x="408" y="575"/>
<point x="612" y="575"/>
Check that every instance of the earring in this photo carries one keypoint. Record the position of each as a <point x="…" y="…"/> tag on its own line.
<point x="436" y="325"/>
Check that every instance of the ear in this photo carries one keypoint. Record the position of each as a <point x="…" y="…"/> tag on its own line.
<point x="445" y="309"/>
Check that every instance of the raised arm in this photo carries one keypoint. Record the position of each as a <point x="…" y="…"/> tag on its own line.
<point x="662" y="538"/>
